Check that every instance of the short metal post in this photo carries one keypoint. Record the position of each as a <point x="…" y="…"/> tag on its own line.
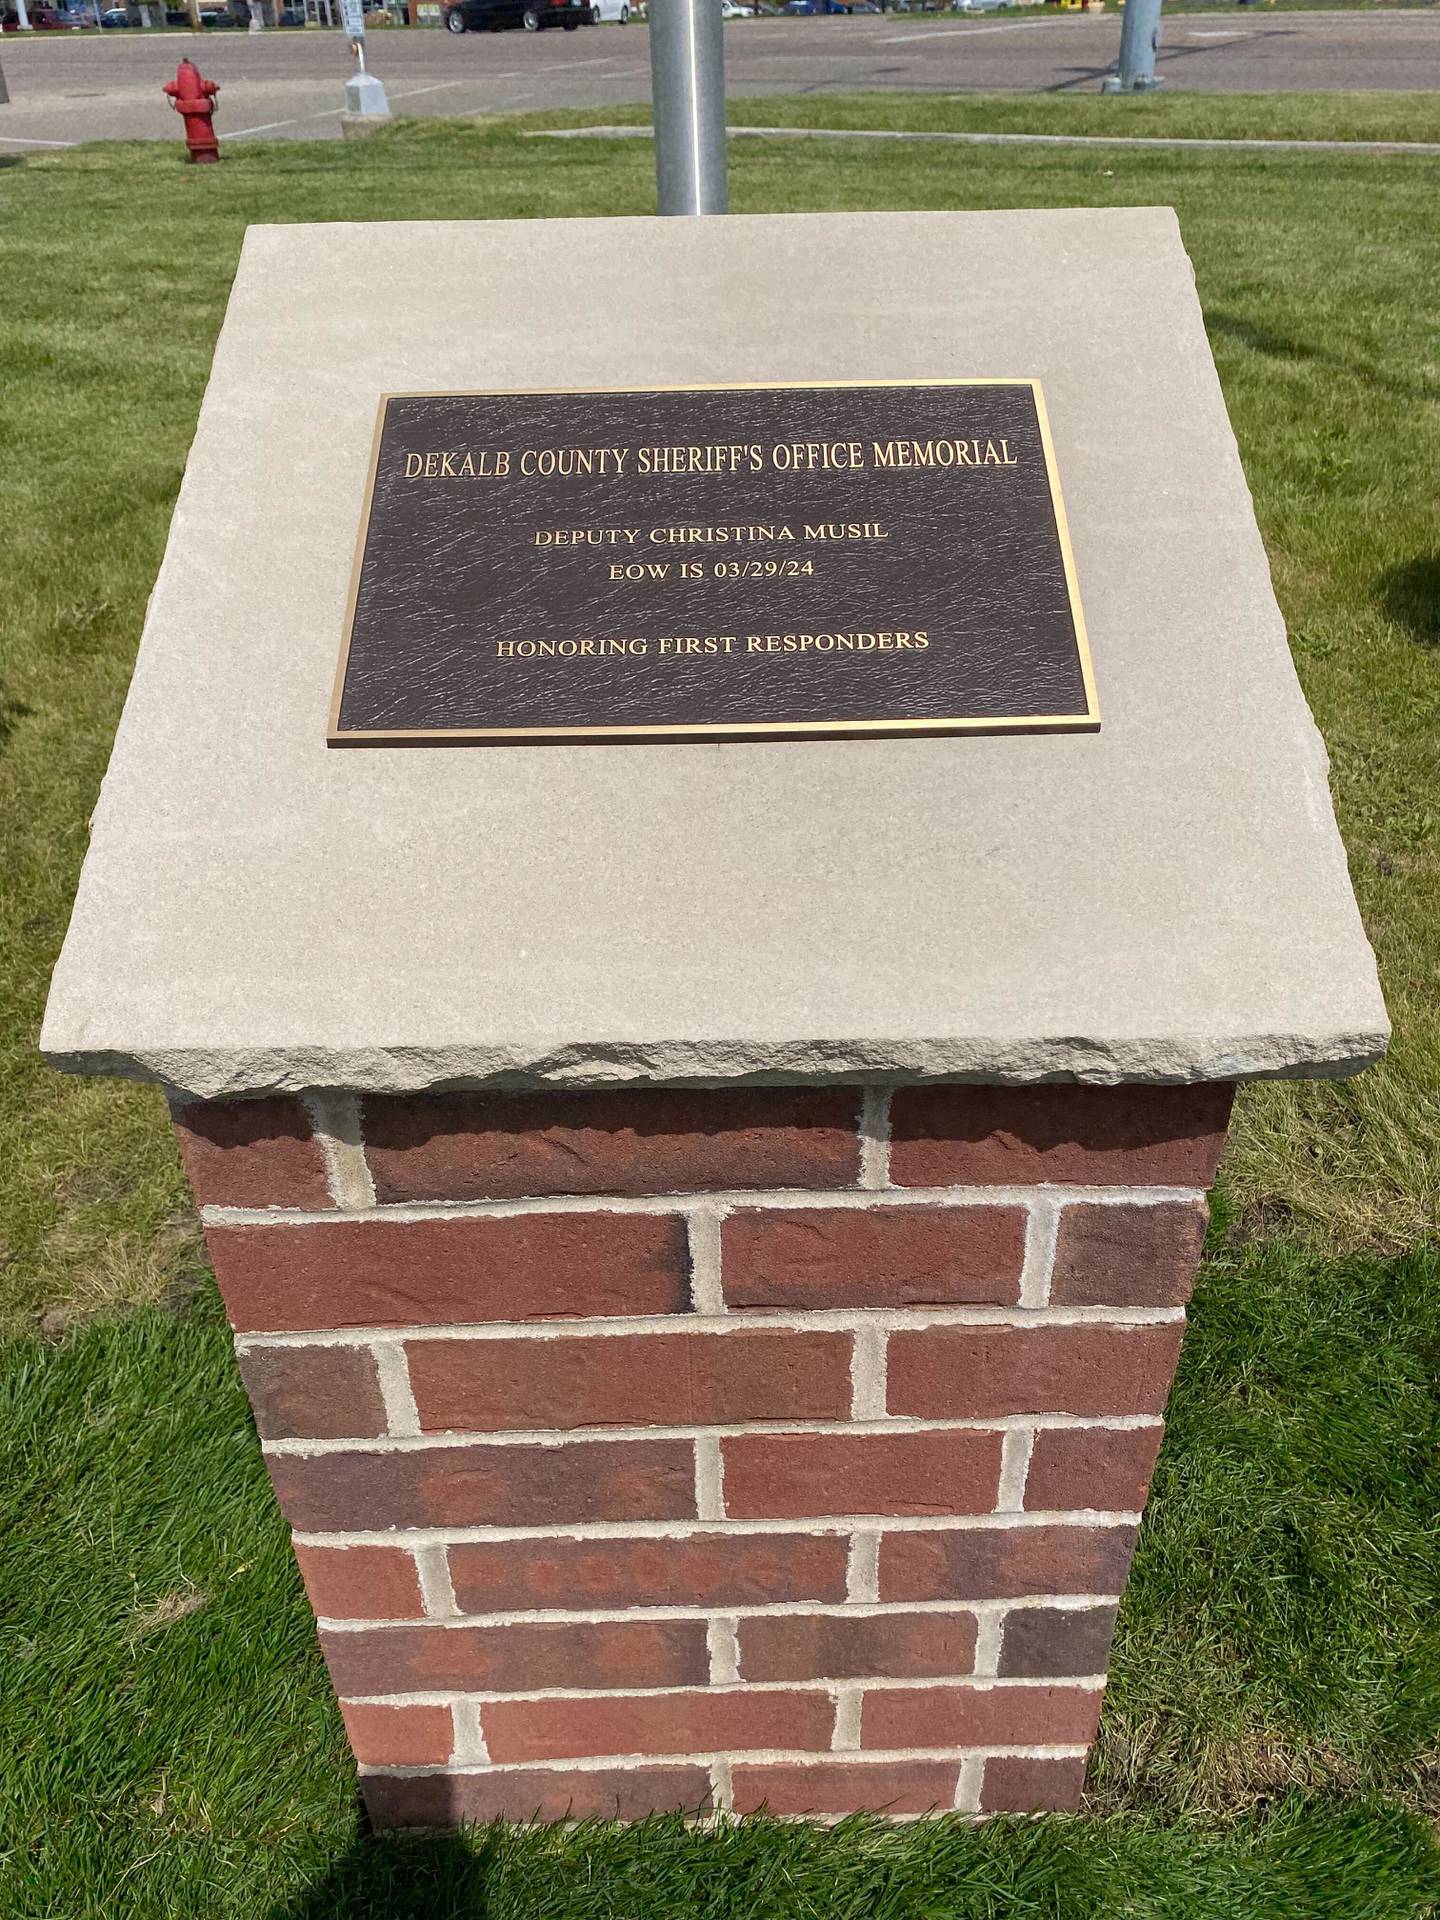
<point x="1139" y="38"/>
<point x="365" y="101"/>
<point x="687" y="85"/>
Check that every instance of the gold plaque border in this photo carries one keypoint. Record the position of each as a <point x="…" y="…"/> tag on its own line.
<point x="1087" y="721"/>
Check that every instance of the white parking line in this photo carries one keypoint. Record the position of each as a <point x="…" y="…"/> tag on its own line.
<point x="269" y="126"/>
<point x="14" y="140"/>
<point x="942" y="33"/>
<point x="413" y="93"/>
<point x="332" y="113"/>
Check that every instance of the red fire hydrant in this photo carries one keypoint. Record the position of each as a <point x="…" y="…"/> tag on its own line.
<point x="193" y="97"/>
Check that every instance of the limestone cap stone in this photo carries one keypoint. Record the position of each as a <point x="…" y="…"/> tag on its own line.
<point x="1164" y="900"/>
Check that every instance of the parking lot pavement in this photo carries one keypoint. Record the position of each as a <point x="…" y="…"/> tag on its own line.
<point x="70" y="87"/>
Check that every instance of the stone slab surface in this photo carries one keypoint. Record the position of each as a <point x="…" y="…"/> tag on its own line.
<point x="1164" y="900"/>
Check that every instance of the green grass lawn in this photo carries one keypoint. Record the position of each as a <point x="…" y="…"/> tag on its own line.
<point x="1202" y="116"/>
<point x="168" y="1746"/>
<point x="1188" y="116"/>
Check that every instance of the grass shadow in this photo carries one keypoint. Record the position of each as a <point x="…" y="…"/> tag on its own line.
<point x="399" y="1876"/>
<point x="1302" y="1855"/>
<point x="11" y="711"/>
<point x="1410" y="595"/>
<point x="1279" y="346"/>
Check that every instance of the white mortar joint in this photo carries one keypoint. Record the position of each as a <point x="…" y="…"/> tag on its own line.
<point x="875" y="1138"/>
<point x="335" y="1122"/>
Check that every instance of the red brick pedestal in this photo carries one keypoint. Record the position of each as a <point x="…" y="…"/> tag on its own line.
<point x="765" y="1446"/>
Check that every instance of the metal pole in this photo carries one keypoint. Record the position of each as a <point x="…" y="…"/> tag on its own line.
<point x="364" y="91"/>
<point x="1139" y="37"/>
<point x="687" y="85"/>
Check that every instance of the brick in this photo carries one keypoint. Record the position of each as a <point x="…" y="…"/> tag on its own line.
<point x="1040" y="1641"/>
<point x="313" y="1393"/>
<point x="713" y="1721"/>
<point x="998" y="1716"/>
<point x="1000" y="1563"/>
<point x="251" y="1153"/>
<point x="1013" y="1785"/>
<point x="1118" y="1256"/>
<point x="945" y="1136"/>
<point x="791" y="1476"/>
<point x="1103" y="1467"/>
<point x="702" y="1570"/>
<point x="361" y="1583"/>
<point x="386" y="1273"/>
<point x="627" y="1140"/>
<point x="518" y="1659"/>
<point x="548" y="1793"/>
<point x="641" y="1379"/>
<point x="407" y="1736"/>
<point x="873" y="1257"/>
<point x="969" y="1373"/>
<point x="817" y="1646"/>
<point x="487" y="1486"/>
<point x="847" y="1786"/>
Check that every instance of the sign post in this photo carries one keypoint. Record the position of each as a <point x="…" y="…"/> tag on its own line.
<point x="687" y="85"/>
<point x="1139" y="39"/>
<point x="364" y="92"/>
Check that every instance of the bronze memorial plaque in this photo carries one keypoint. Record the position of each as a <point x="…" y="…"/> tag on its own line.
<point x="713" y="562"/>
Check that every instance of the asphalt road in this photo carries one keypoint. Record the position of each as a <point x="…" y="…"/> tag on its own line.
<point x="69" y="87"/>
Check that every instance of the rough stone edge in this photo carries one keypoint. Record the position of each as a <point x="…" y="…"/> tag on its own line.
<point x="212" y="1073"/>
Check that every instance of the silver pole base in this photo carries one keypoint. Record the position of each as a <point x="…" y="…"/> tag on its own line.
<point x="365" y="95"/>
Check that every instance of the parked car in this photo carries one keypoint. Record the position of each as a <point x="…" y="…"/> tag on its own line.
<point x="46" y="19"/>
<point x="816" y="6"/>
<point x="602" y="10"/>
<point x="732" y="10"/>
<point x="488" y="16"/>
<point x="115" y="17"/>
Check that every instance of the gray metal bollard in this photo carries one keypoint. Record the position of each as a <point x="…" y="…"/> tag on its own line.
<point x="1139" y="39"/>
<point x="365" y="96"/>
<point x="365" y="104"/>
<point x="687" y="84"/>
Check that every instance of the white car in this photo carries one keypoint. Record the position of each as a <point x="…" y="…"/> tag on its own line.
<point x="601" y="10"/>
<point x="731" y="10"/>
